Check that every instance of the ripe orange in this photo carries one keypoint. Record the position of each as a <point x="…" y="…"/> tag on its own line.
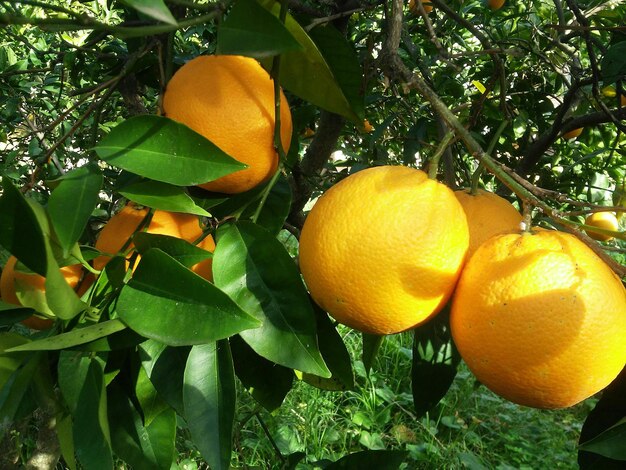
<point x="428" y="7"/>
<point x="123" y="224"/>
<point x="540" y="319"/>
<point x="606" y="220"/>
<point x="73" y="275"/>
<point x="487" y="215"/>
<point x="495" y="4"/>
<point x="573" y="133"/>
<point x="381" y="251"/>
<point x="230" y="101"/>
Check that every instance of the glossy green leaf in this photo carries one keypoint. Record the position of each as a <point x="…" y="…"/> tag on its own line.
<point x="81" y="380"/>
<point x="306" y="73"/>
<point x="155" y="9"/>
<point x="66" y="439"/>
<point x="275" y="209"/>
<point x="162" y="196"/>
<point x="167" y="302"/>
<point x="335" y="355"/>
<point x="266" y="381"/>
<point x="435" y="362"/>
<point x="60" y="297"/>
<point x="610" y="443"/>
<point x="182" y="251"/>
<point x="344" y="63"/>
<point x="150" y="402"/>
<point x="161" y="149"/>
<point x="209" y="398"/>
<point x="144" y="447"/>
<point x="601" y="442"/>
<point x="254" y="269"/>
<point x="165" y="366"/>
<point x="72" y="202"/>
<point x="73" y="337"/>
<point x="371" y="346"/>
<point x="378" y="459"/>
<point x="20" y="232"/>
<point x="250" y="30"/>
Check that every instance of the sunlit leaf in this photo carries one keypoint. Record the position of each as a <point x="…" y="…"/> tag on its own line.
<point x="167" y="302"/>
<point x="162" y="196"/>
<point x="161" y="149"/>
<point x="254" y="269"/>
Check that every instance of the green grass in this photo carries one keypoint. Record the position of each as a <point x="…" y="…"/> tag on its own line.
<point x="471" y="428"/>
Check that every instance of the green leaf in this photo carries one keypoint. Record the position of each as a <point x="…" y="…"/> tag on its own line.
<point x="10" y="314"/>
<point x="307" y="74"/>
<point x="81" y="380"/>
<point x="276" y="208"/>
<point x="144" y="447"/>
<point x="167" y="302"/>
<point x="72" y="338"/>
<point x="335" y="355"/>
<point x="162" y="196"/>
<point x="371" y="346"/>
<point x="613" y="64"/>
<point x="60" y="297"/>
<point x="209" y="398"/>
<point x="254" y="269"/>
<point x="378" y="459"/>
<point x="9" y="363"/>
<point x="165" y="366"/>
<point x="161" y="149"/>
<point x="14" y="390"/>
<point x="182" y="251"/>
<point x="610" y="443"/>
<point x="72" y="203"/>
<point x="344" y="63"/>
<point x="435" y="362"/>
<point x="267" y="382"/>
<point x="250" y="30"/>
<point x="155" y="9"/>
<point x="20" y="232"/>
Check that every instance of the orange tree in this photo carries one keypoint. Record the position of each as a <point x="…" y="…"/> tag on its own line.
<point x="479" y="94"/>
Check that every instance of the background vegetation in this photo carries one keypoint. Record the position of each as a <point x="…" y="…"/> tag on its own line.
<point x="465" y="84"/>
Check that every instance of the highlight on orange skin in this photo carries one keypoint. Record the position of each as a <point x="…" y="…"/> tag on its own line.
<point x="73" y="274"/>
<point x="122" y="225"/>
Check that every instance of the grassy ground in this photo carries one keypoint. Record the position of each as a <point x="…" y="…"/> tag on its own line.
<point x="472" y="428"/>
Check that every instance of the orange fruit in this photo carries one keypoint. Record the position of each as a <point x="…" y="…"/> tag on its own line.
<point x="381" y="250"/>
<point x="495" y="4"/>
<point x="123" y="224"/>
<point x="540" y="319"/>
<point x="605" y="220"/>
<point x="622" y="99"/>
<point x="573" y="133"/>
<point x="428" y="7"/>
<point x="230" y="101"/>
<point x="367" y="127"/>
<point x="73" y="274"/>
<point x="487" y="215"/>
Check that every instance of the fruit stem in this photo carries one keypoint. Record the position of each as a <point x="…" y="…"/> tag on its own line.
<point x="433" y="165"/>
<point x="266" y="193"/>
<point x="275" y="74"/>
<point x="527" y="211"/>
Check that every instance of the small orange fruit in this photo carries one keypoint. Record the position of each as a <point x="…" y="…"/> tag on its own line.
<point x="123" y="224"/>
<point x="573" y="133"/>
<point x="540" y="319"/>
<point x="73" y="274"/>
<point x="495" y="4"/>
<point x="487" y="215"/>
<point x="605" y="220"/>
<point x="381" y="250"/>
<point x="230" y="101"/>
<point x="428" y="7"/>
